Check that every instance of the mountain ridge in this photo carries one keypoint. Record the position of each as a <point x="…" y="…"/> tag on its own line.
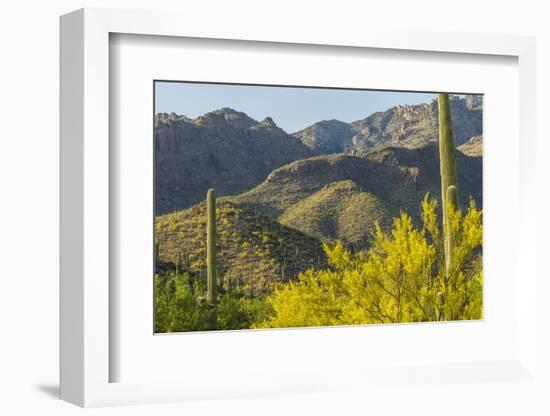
<point x="342" y="196"/>
<point x="228" y="150"/>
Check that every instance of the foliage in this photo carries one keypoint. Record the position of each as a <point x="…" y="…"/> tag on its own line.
<point x="177" y="308"/>
<point x="401" y="278"/>
<point x="181" y="305"/>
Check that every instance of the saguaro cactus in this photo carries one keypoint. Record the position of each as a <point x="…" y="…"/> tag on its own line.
<point x="449" y="179"/>
<point x="211" y="264"/>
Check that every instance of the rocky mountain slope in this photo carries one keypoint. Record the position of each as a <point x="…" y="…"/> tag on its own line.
<point x="404" y="125"/>
<point x="473" y="147"/>
<point x="342" y="196"/>
<point x="224" y="149"/>
<point x="275" y="231"/>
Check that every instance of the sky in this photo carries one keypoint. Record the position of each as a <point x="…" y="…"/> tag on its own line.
<point x="292" y="108"/>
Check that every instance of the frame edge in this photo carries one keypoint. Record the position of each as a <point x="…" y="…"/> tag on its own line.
<point x="71" y="220"/>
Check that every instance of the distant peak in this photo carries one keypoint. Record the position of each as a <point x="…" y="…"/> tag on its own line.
<point x="332" y="122"/>
<point x="168" y="117"/>
<point x="228" y="110"/>
<point x="268" y="122"/>
<point x="226" y="114"/>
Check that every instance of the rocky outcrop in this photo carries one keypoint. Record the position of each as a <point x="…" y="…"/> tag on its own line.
<point x="327" y="136"/>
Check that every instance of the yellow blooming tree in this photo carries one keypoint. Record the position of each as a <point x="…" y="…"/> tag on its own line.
<point x="401" y="278"/>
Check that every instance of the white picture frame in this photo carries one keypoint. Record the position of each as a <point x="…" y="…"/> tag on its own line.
<point x="86" y="356"/>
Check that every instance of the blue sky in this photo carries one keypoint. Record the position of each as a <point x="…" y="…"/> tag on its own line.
<point x="292" y="108"/>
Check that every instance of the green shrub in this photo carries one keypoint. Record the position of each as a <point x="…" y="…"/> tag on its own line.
<point x="180" y="306"/>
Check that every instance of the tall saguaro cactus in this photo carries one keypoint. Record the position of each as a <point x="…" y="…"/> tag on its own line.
<point x="449" y="179"/>
<point x="211" y="263"/>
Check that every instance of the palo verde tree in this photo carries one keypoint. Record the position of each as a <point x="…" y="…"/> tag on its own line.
<point x="400" y="278"/>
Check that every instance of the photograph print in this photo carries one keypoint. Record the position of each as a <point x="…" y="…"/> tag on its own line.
<point x="289" y="207"/>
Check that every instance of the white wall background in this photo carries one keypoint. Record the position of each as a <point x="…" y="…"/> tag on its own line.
<point x="29" y="115"/>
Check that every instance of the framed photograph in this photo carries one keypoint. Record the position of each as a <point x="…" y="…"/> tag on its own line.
<point x="336" y="223"/>
<point x="282" y="213"/>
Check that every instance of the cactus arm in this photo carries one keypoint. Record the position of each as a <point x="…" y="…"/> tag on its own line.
<point x="211" y="256"/>
<point x="452" y="198"/>
<point x="452" y="205"/>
